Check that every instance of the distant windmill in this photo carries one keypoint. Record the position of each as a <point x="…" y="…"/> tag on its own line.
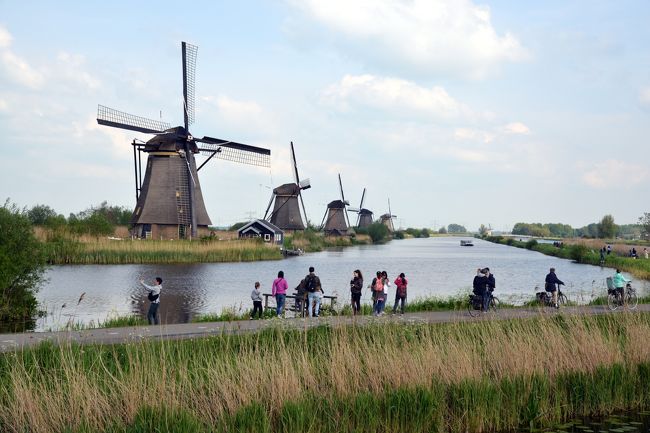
<point x="364" y="216"/>
<point x="286" y="208"/>
<point x="335" y="221"/>
<point x="387" y="219"/>
<point x="169" y="200"/>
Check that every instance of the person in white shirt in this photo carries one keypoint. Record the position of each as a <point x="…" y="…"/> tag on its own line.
<point x="154" y="298"/>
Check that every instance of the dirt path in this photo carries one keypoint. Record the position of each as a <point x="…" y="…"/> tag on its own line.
<point x="11" y="342"/>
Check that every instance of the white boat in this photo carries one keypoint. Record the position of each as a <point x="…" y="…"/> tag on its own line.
<point x="465" y="243"/>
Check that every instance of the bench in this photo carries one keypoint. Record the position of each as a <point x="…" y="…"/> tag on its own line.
<point x="291" y="306"/>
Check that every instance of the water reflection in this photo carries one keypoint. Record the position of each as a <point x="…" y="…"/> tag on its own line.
<point x="434" y="266"/>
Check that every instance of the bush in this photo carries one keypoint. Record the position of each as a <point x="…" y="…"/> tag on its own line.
<point x="378" y="232"/>
<point x="22" y="263"/>
<point x="578" y="252"/>
<point x="531" y="244"/>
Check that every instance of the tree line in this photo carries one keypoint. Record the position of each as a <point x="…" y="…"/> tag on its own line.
<point x="606" y="228"/>
<point x="99" y="220"/>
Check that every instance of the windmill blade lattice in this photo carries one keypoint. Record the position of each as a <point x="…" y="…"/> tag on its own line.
<point x="235" y="152"/>
<point x="189" y="81"/>
<point x="119" y="119"/>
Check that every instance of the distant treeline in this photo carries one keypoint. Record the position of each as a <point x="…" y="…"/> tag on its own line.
<point x="97" y="220"/>
<point x="605" y="229"/>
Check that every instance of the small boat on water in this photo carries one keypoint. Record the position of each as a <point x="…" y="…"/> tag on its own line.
<point x="466" y="243"/>
<point x="285" y="252"/>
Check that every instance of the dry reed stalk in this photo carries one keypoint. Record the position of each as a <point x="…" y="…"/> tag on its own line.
<point x="373" y="359"/>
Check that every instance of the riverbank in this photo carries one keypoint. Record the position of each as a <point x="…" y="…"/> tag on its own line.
<point x="379" y="377"/>
<point x="61" y="248"/>
<point x="580" y="253"/>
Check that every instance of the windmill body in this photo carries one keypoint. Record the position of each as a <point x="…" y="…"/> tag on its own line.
<point x="387" y="219"/>
<point x="364" y="216"/>
<point x="169" y="199"/>
<point x="335" y="220"/>
<point x="286" y="208"/>
<point x="287" y="201"/>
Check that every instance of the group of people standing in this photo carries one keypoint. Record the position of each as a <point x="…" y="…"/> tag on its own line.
<point x="380" y="288"/>
<point x="309" y="294"/>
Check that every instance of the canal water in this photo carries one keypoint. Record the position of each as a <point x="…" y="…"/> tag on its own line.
<point x="434" y="267"/>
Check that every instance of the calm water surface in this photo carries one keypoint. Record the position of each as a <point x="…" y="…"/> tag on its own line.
<point x="433" y="266"/>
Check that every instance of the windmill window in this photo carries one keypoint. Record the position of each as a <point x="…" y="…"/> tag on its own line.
<point x="267" y="237"/>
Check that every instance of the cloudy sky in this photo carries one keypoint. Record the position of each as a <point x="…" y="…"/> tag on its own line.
<point x="460" y="112"/>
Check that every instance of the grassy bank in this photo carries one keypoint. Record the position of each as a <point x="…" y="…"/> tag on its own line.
<point x="63" y="250"/>
<point x="425" y="303"/>
<point x="313" y="241"/>
<point x="580" y="253"/>
<point x="455" y="377"/>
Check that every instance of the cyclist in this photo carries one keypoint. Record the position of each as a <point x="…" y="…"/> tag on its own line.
<point x="619" y="284"/>
<point x="553" y="284"/>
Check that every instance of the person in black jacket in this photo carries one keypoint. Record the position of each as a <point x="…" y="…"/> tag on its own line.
<point x="356" y="286"/>
<point x="553" y="285"/>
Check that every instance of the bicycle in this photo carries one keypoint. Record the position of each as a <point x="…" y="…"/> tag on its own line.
<point x="626" y="298"/>
<point x="475" y="304"/>
<point x="546" y="298"/>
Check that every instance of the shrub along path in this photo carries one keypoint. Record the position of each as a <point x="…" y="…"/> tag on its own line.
<point x="11" y="342"/>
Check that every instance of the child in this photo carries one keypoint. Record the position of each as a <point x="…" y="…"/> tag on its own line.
<point x="256" y="296"/>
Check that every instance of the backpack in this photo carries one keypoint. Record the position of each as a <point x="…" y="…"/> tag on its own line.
<point x="310" y="283"/>
<point x="152" y="297"/>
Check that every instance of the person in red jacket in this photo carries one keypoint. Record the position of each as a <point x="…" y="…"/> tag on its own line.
<point x="400" y="293"/>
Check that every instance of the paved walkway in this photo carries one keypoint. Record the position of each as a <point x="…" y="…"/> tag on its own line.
<point x="11" y="342"/>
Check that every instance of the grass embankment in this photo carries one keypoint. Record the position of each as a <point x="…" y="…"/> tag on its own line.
<point x="580" y="253"/>
<point x="455" y="377"/>
<point x="312" y="241"/>
<point x="127" y="251"/>
<point x="427" y="303"/>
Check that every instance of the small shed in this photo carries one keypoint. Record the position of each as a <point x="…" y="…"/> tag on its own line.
<point x="262" y="229"/>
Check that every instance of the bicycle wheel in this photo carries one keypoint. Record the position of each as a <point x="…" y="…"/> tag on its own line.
<point x="612" y="301"/>
<point x="470" y="309"/>
<point x="562" y="299"/>
<point x="631" y="299"/>
<point x="494" y="305"/>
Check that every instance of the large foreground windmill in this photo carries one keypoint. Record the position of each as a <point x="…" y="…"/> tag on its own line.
<point x="286" y="207"/>
<point x="364" y="216"/>
<point x="387" y="219"/>
<point x="335" y="221"/>
<point x="169" y="199"/>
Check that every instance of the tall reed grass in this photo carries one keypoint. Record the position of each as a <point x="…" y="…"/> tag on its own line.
<point x="455" y="377"/>
<point x="105" y="251"/>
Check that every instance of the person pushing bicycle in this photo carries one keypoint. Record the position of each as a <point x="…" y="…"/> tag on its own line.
<point x="553" y="284"/>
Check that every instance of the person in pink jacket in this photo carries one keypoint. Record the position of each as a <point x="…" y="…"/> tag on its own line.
<point x="279" y="290"/>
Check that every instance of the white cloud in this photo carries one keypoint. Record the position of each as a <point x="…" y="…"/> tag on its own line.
<point x="5" y="38"/>
<point x="4" y="106"/>
<point x="644" y="96"/>
<point x="612" y="174"/>
<point x="243" y="115"/>
<point x="473" y="134"/>
<point x="429" y="35"/>
<point x="17" y="69"/>
<point x="71" y="66"/>
<point x="516" y="128"/>
<point x="397" y="96"/>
